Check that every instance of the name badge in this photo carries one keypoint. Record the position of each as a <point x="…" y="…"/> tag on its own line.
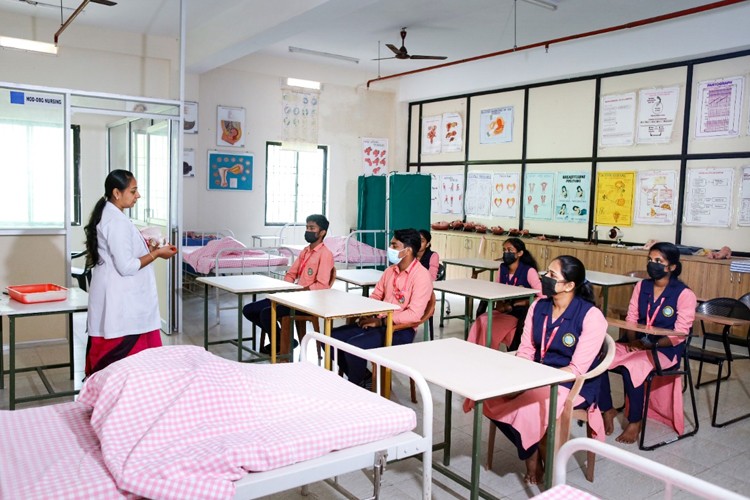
<point x="309" y="271"/>
<point x="668" y="311"/>
<point x="569" y="340"/>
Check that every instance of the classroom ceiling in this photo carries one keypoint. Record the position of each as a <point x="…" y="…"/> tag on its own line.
<point x="223" y="31"/>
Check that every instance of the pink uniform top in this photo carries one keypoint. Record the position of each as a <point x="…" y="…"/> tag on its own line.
<point x="686" y="304"/>
<point x="589" y="342"/>
<point x="410" y="289"/>
<point x="534" y="280"/>
<point x="434" y="265"/>
<point x="312" y="269"/>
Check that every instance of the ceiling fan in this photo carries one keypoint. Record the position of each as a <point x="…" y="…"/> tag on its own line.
<point x="35" y="3"/>
<point x="75" y="13"/>
<point x="402" y="53"/>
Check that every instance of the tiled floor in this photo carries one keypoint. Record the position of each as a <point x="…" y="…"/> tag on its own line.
<point x="721" y="456"/>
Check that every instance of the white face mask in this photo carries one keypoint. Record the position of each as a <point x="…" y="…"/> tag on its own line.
<point x="393" y="257"/>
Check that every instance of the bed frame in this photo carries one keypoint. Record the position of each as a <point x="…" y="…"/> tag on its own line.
<point x="376" y="454"/>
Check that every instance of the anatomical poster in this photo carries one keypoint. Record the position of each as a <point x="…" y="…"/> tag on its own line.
<point x="655" y="199"/>
<point x="374" y="156"/>
<point x="431" y="128"/>
<point x="452" y="133"/>
<point x="496" y="125"/>
<point x="230" y="171"/>
<point x="505" y="195"/>
<point x="230" y="129"/>
<point x="708" y="200"/>
<point x="478" y="193"/>
<point x="572" y="197"/>
<point x="614" y="198"/>
<point x="452" y="194"/>
<point x="435" y="204"/>
<point x="540" y="194"/>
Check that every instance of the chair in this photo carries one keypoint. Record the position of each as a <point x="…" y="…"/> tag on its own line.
<point x="300" y="320"/>
<point x="428" y="313"/>
<point x="82" y="275"/>
<point x="745" y="299"/>
<point x="444" y="304"/>
<point x="569" y="413"/>
<point x="729" y="308"/>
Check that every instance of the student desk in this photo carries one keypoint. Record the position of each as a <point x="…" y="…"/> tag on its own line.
<point x="261" y="239"/>
<point x="241" y="285"/>
<point x="364" y="278"/>
<point x="637" y="327"/>
<point x="483" y="290"/>
<point x="477" y="373"/>
<point x="607" y="281"/>
<point x="332" y="304"/>
<point x="77" y="301"/>
<point x="475" y="264"/>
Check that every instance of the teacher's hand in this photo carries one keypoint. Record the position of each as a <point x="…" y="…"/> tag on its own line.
<point x="166" y="252"/>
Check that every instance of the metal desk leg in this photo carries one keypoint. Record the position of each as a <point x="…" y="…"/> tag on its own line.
<point x="476" y="442"/>
<point x="442" y="308"/>
<point x="488" y="335"/>
<point x="255" y="328"/>
<point x="388" y="342"/>
<point x="12" y="364"/>
<point x="273" y="332"/>
<point x="492" y="275"/>
<point x="605" y="299"/>
<point x="205" y="317"/>
<point x="447" y="428"/>
<point x="551" y="428"/>
<point x="239" y="327"/>
<point x="467" y="302"/>
<point x="70" y="344"/>
<point x="327" y="330"/>
<point x="365" y="290"/>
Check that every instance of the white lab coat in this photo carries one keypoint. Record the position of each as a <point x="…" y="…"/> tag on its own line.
<point x="122" y="297"/>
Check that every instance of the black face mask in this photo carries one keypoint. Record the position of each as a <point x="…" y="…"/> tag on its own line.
<point x="311" y="236"/>
<point x="656" y="271"/>
<point x="509" y="258"/>
<point x="548" y="286"/>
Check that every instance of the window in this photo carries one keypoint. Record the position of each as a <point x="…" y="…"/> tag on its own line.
<point x="295" y="184"/>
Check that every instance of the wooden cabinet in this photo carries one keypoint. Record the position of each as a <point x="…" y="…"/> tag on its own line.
<point x="710" y="279"/>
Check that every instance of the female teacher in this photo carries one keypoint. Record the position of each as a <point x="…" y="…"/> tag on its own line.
<point x="123" y="316"/>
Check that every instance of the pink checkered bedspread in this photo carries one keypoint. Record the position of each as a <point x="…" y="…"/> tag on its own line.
<point x="179" y="422"/>
<point x="203" y="258"/>
<point x="564" y="492"/>
<point x="52" y="452"/>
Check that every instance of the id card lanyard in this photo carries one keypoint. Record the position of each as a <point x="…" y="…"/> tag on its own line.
<point x="545" y="346"/>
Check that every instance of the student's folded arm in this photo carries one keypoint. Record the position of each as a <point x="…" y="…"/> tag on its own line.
<point x="589" y="342"/>
<point x="323" y="277"/>
<point x="686" y="304"/>
<point x="414" y="310"/>
<point x="291" y="274"/>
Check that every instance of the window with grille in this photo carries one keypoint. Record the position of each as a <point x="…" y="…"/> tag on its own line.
<point x="296" y="184"/>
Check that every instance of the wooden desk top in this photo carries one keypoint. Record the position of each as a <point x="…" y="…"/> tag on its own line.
<point x="471" y="370"/>
<point x="248" y="283"/>
<point x="609" y="279"/>
<point x="722" y="320"/>
<point x="476" y="263"/>
<point x="77" y="300"/>
<point x="332" y="303"/>
<point x="483" y="289"/>
<point x="359" y="277"/>
<point x="637" y="327"/>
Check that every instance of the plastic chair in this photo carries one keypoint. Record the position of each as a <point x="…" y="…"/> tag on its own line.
<point x="82" y="275"/>
<point x="745" y="299"/>
<point x="607" y="354"/>
<point x="729" y="308"/>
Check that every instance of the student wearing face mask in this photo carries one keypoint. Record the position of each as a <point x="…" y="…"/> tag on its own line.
<point x="564" y="330"/>
<point x="661" y="301"/>
<point x="406" y="283"/>
<point x="312" y="270"/>
<point x="518" y="268"/>
<point x="429" y="259"/>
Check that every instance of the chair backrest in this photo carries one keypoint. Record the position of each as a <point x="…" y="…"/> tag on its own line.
<point x="333" y="276"/>
<point x="745" y="299"/>
<point x="725" y="306"/>
<point x="441" y="272"/>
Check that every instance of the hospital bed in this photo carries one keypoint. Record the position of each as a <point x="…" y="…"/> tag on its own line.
<point x="348" y="251"/>
<point x="672" y="479"/>
<point x="178" y="422"/>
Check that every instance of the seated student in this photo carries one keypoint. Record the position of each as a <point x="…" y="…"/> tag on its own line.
<point x="518" y="268"/>
<point x="405" y="283"/>
<point x="429" y="259"/>
<point x="662" y="301"/>
<point x="311" y="270"/>
<point x="566" y="331"/>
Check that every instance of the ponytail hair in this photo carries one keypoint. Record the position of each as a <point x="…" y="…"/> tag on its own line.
<point x="117" y="179"/>
<point x="671" y="253"/>
<point x="573" y="270"/>
<point x="526" y="258"/>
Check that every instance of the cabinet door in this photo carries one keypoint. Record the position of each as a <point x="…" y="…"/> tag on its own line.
<point x="538" y="251"/>
<point x="493" y="248"/>
<point x="439" y="244"/>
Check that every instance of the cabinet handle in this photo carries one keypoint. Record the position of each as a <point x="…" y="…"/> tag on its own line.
<point x="731" y="277"/>
<point x="739" y="277"/>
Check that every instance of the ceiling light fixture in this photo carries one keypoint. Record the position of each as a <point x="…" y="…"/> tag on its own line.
<point x="547" y="4"/>
<point x="30" y="45"/>
<point x="305" y="84"/>
<point x="300" y="50"/>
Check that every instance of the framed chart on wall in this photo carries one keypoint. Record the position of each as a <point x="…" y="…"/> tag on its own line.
<point x="230" y="171"/>
<point x="230" y="127"/>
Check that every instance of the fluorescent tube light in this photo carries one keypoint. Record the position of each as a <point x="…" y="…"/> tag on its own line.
<point x="547" y="4"/>
<point x="300" y="50"/>
<point x="30" y="45"/>
<point x="307" y="84"/>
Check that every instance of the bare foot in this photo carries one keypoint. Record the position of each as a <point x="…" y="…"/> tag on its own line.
<point x="534" y="469"/>
<point x="609" y="421"/>
<point x="630" y="434"/>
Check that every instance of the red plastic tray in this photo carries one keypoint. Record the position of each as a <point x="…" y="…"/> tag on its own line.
<point x="41" y="292"/>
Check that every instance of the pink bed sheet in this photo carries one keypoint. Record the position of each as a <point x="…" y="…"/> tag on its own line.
<point x="359" y="253"/>
<point x="179" y="422"/>
<point x="203" y="258"/>
<point x="52" y="452"/>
